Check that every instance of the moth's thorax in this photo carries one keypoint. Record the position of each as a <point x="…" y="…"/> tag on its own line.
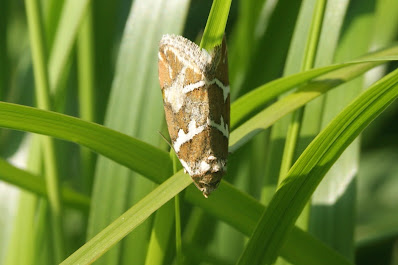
<point x="196" y="100"/>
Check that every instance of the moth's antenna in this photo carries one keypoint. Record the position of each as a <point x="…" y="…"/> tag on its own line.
<point x="167" y="141"/>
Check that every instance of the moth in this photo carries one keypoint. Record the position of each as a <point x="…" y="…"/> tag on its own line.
<point x="195" y="88"/>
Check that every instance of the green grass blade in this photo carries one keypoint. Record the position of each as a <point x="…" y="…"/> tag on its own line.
<point x="252" y="102"/>
<point x="242" y="212"/>
<point x="268" y="51"/>
<point x="14" y="116"/>
<point x="86" y="81"/>
<point x="215" y="27"/>
<point x="23" y="223"/>
<point x="161" y="234"/>
<point x="310" y="51"/>
<point x="87" y="134"/>
<point x="135" y="108"/>
<point x="121" y="148"/>
<point x="42" y="89"/>
<point x="4" y="61"/>
<point x="36" y="184"/>
<point x="117" y="230"/>
<point x="135" y="154"/>
<point x="306" y="93"/>
<point x="291" y="197"/>
<point x="333" y="203"/>
<point x="249" y="13"/>
<point x="65" y="37"/>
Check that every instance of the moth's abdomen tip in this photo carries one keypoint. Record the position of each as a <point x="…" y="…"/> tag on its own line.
<point x="207" y="183"/>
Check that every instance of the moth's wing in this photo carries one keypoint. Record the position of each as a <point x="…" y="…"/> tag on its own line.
<point x="195" y="92"/>
<point x="181" y="64"/>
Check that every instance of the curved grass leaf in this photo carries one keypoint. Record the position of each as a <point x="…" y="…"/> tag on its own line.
<point x="33" y="183"/>
<point x="242" y="212"/>
<point x="140" y="156"/>
<point x="135" y="108"/>
<point x="291" y="102"/>
<point x="117" y="230"/>
<point x="305" y="175"/>
<point x="116" y="146"/>
<point x="252" y="102"/>
<point x="75" y="130"/>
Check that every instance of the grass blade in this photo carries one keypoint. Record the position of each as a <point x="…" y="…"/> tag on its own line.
<point x="306" y="93"/>
<point x="252" y="102"/>
<point x="126" y="150"/>
<point x="65" y="37"/>
<point x="36" y="184"/>
<point x="215" y="27"/>
<point x="108" y="237"/>
<point x="36" y="33"/>
<point x="305" y="175"/>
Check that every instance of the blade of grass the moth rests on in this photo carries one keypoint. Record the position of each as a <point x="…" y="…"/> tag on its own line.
<point x="125" y="150"/>
<point x="212" y="36"/>
<point x="215" y="26"/>
<point x="129" y="220"/>
<point x="135" y="108"/>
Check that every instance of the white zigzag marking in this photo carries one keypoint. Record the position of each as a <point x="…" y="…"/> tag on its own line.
<point x="173" y="93"/>
<point x="180" y="46"/>
<point x="222" y="127"/>
<point x="192" y="87"/>
<point x="185" y="137"/>
<point x="199" y="168"/>
<point x="193" y="130"/>
<point x="225" y="89"/>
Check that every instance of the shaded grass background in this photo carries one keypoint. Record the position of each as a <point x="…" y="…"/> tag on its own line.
<point x="125" y="96"/>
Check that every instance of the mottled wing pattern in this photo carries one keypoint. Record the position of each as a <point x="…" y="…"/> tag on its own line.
<point x="195" y="90"/>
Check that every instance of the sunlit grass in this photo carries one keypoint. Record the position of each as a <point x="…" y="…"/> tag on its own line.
<point x="97" y="61"/>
